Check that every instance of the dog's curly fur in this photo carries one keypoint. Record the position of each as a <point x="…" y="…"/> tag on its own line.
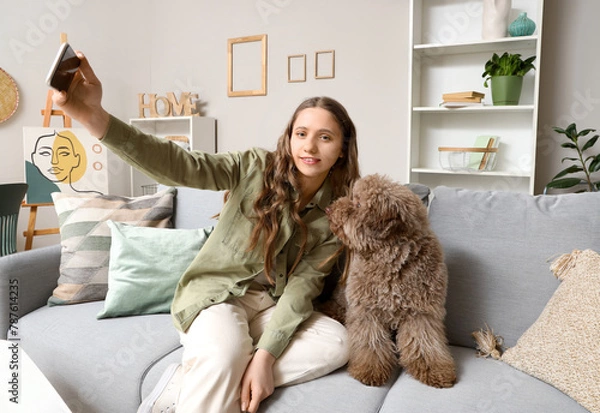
<point x="396" y="285"/>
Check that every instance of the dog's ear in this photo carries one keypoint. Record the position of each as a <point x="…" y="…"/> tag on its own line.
<point x="405" y="213"/>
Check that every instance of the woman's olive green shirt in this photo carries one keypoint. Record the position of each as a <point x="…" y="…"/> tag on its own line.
<point x="223" y="268"/>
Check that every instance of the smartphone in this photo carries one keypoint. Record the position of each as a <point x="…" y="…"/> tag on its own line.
<point x="63" y="69"/>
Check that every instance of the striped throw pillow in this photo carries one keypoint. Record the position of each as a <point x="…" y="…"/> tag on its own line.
<point x="85" y="238"/>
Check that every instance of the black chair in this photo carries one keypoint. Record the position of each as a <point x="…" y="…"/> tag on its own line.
<point x="11" y="196"/>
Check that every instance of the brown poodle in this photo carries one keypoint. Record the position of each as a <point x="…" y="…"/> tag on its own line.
<point x="395" y="286"/>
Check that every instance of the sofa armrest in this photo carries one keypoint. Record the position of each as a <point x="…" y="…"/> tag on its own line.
<point x="27" y="280"/>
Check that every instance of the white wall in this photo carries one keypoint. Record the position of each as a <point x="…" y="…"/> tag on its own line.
<point x="370" y="48"/>
<point x="158" y="46"/>
<point x="570" y="85"/>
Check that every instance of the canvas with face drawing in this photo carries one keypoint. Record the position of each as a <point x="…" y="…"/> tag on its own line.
<point x="63" y="160"/>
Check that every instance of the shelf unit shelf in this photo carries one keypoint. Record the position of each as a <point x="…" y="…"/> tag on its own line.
<point x="447" y="54"/>
<point x="481" y="46"/>
<point x="476" y="174"/>
<point x="475" y="109"/>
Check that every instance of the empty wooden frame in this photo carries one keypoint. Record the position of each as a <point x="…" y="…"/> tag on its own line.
<point x="247" y="66"/>
<point x="325" y="64"/>
<point x="297" y="68"/>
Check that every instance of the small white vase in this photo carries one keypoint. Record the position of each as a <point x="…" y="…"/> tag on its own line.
<point x="495" y="18"/>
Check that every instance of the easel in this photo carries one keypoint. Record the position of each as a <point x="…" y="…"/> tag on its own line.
<point x="47" y="112"/>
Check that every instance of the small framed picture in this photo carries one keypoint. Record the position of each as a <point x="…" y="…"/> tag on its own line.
<point x="297" y="68"/>
<point x="325" y="64"/>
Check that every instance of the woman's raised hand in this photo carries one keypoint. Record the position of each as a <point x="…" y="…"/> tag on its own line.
<point x="83" y="100"/>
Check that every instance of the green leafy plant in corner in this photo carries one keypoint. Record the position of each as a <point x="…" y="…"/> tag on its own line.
<point x="584" y="165"/>
<point x="507" y="65"/>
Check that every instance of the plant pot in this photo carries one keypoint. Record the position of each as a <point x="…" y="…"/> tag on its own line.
<point x="506" y="90"/>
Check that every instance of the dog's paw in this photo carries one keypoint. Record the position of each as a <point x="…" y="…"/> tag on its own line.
<point x="440" y="375"/>
<point x="442" y="378"/>
<point x="372" y="367"/>
<point x="369" y="375"/>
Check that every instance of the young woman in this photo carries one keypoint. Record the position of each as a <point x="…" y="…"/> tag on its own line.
<point x="244" y="306"/>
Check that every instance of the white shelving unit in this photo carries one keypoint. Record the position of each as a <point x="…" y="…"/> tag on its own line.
<point x="200" y="130"/>
<point x="447" y="55"/>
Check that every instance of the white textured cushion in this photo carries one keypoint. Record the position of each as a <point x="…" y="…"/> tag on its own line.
<point x="561" y="347"/>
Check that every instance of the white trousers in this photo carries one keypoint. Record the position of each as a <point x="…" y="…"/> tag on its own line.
<point x="220" y="343"/>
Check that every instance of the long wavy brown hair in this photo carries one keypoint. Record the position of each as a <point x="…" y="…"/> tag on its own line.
<point x="281" y="188"/>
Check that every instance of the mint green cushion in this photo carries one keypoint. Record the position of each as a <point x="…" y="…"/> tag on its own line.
<point x="145" y="266"/>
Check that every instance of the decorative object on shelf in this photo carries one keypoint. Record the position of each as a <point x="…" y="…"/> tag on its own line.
<point x="149" y="189"/>
<point x="583" y="164"/>
<point x="478" y="158"/>
<point x="506" y="74"/>
<point x="182" y="141"/>
<point x="325" y="64"/>
<point x="296" y="68"/>
<point x="521" y="26"/>
<point x="495" y="18"/>
<point x="462" y="99"/>
<point x="9" y="96"/>
<point x="170" y="106"/>
<point x="247" y="66"/>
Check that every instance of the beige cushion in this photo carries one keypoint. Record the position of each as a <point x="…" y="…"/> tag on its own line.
<point x="561" y="347"/>
<point x="85" y="238"/>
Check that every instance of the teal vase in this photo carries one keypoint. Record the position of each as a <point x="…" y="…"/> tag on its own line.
<point x="522" y="26"/>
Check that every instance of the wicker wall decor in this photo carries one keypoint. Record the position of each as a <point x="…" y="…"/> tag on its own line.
<point x="9" y="96"/>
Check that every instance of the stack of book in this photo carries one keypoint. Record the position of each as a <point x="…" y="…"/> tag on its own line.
<point x="462" y="99"/>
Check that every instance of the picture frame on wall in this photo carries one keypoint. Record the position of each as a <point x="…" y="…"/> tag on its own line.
<point x="325" y="64"/>
<point x="296" y="68"/>
<point x="247" y="66"/>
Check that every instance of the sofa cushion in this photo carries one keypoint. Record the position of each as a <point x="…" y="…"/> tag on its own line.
<point x="196" y="208"/>
<point x="497" y="248"/>
<point x="85" y="238"/>
<point x="484" y="385"/>
<point x="146" y="265"/>
<point x="560" y="348"/>
<point x="96" y="362"/>
<point x="336" y="392"/>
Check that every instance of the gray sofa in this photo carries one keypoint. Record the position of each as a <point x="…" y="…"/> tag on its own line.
<point x="498" y="248"/>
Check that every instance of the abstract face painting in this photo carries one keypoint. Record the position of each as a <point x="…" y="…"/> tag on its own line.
<point x="63" y="161"/>
<point x="57" y="159"/>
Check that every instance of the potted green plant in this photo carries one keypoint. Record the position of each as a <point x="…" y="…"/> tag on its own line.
<point x="584" y="165"/>
<point x="505" y="73"/>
